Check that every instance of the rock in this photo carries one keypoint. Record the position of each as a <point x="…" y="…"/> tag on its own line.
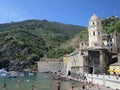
<point x="13" y="65"/>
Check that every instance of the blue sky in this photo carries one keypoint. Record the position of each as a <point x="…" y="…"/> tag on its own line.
<point x="76" y="12"/>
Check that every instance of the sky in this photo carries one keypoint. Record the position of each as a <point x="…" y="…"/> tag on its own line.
<point x="77" y="12"/>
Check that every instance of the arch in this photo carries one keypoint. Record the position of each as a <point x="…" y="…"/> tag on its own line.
<point x="93" y="33"/>
<point x="93" y="23"/>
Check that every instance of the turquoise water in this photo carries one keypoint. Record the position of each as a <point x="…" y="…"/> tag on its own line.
<point x="41" y="81"/>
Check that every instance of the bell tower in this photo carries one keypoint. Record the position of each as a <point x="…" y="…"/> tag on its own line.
<point x="95" y="32"/>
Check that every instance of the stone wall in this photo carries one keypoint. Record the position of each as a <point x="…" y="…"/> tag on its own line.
<point x="105" y="80"/>
<point x="50" y="66"/>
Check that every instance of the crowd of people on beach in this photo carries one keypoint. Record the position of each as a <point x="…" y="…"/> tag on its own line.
<point x="89" y="85"/>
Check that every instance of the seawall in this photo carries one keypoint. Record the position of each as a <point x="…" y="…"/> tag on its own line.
<point x="49" y="66"/>
<point x="105" y="80"/>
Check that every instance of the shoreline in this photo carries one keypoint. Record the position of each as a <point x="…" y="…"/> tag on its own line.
<point x="92" y="87"/>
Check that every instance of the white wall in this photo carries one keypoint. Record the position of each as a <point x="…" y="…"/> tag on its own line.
<point x="105" y="80"/>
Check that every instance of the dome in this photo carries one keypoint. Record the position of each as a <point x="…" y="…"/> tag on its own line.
<point x="94" y="18"/>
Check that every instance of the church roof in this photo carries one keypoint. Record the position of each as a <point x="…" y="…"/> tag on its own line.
<point x="94" y="17"/>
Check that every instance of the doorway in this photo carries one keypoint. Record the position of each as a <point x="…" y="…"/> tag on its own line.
<point x="91" y="70"/>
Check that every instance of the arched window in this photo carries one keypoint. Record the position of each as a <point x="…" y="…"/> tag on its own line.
<point x="82" y="43"/>
<point x="111" y="49"/>
<point x="93" y="33"/>
<point x="93" y="23"/>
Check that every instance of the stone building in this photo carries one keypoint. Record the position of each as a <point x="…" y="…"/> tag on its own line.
<point x="95" y="57"/>
<point x="75" y="62"/>
<point x="98" y="60"/>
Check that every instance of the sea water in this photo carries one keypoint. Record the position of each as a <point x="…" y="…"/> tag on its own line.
<point x="40" y="81"/>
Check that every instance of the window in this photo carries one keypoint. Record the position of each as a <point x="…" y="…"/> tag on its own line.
<point x="93" y="23"/>
<point x="93" y="33"/>
<point x="111" y="49"/>
<point x="98" y="23"/>
<point x="82" y="43"/>
<point x="111" y="44"/>
<point x="118" y="50"/>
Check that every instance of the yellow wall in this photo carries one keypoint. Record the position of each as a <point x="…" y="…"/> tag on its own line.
<point x="115" y="69"/>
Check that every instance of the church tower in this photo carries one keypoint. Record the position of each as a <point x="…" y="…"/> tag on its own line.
<point x="95" y="32"/>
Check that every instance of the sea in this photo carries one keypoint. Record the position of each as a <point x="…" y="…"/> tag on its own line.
<point x="40" y="81"/>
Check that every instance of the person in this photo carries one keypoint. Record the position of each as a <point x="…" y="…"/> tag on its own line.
<point x="72" y="86"/>
<point x="69" y="73"/>
<point x="18" y="83"/>
<point x="33" y="87"/>
<point x="98" y="86"/>
<point x="58" y="85"/>
<point x="4" y="85"/>
<point x="83" y="86"/>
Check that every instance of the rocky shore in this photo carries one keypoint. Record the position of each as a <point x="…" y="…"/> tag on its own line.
<point x="13" y="65"/>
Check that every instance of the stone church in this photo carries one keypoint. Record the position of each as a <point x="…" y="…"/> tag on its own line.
<point x="95" y="57"/>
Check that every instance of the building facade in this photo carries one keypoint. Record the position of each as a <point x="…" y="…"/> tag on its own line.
<point x="95" y="57"/>
<point x="75" y="62"/>
<point x="95" y="32"/>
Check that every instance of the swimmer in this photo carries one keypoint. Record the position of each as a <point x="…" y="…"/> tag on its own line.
<point x="18" y="83"/>
<point x="58" y="85"/>
<point x="72" y="86"/>
<point x="33" y="87"/>
<point x="4" y="85"/>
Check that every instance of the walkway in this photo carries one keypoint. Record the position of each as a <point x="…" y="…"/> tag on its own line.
<point x="93" y="88"/>
<point x="80" y="88"/>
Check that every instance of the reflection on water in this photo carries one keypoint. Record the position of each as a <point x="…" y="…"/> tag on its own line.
<point x="40" y="81"/>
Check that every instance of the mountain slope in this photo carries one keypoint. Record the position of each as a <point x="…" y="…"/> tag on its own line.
<point x="110" y="24"/>
<point x="31" y="40"/>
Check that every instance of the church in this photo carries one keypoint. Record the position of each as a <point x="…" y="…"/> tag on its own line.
<point x="97" y="38"/>
<point x="95" y="57"/>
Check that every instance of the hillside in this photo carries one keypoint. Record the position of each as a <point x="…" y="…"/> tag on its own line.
<point x="31" y="40"/>
<point x="110" y="24"/>
<point x="74" y="42"/>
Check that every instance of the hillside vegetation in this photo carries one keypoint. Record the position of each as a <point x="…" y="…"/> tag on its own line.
<point x="32" y="40"/>
<point x="111" y="24"/>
